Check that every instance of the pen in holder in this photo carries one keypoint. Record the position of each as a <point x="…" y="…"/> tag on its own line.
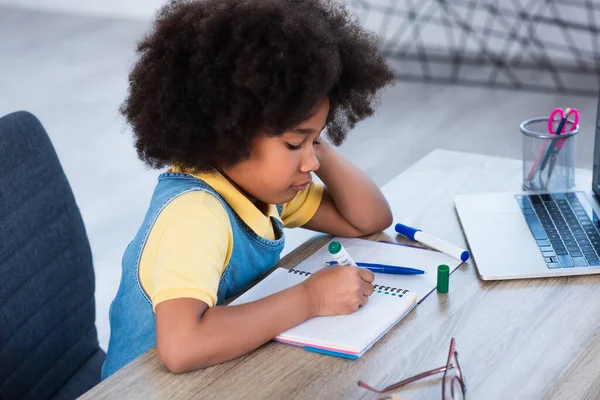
<point x="548" y="159"/>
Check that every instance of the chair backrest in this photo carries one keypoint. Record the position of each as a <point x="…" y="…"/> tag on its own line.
<point x="47" y="310"/>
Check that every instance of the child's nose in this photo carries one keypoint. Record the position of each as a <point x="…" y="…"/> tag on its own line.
<point x="310" y="162"/>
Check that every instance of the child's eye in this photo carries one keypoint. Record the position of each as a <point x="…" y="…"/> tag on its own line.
<point x="293" y="147"/>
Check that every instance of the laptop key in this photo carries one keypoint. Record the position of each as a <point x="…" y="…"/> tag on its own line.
<point x="543" y="243"/>
<point x="535" y="199"/>
<point x="580" y="262"/>
<point x="553" y="265"/>
<point x="565" y="261"/>
<point x="545" y="248"/>
<point x="561" y="252"/>
<point x="576" y="254"/>
<point x="536" y="227"/>
<point x="595" y="263"/>
<point x="548" y="254"/>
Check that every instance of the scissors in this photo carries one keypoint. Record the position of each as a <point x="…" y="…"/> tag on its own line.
<point x="556" y="145"/>
<point x="563" y="120"/>
<point x="551" y="146"/>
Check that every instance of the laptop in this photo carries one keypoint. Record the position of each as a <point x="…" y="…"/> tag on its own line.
<point x="527" y="235"/>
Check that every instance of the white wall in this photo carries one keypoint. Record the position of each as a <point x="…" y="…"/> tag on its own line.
<point x="139" y="9"/>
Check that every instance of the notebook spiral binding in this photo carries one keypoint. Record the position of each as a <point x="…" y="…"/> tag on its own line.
<point x="298" y="272"/>
<point x="383" y="288"/>
<point x="391" y="289"/>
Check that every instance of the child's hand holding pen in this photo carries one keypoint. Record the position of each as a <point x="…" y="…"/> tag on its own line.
<point x="339" y="290"/>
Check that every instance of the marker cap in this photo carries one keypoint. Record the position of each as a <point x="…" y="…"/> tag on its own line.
<point x="335" y="247"/>
<point x="406" y="231"/>
<point x="442" y="278"/>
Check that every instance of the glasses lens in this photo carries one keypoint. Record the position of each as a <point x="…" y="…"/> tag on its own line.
<point x="457" y="391"/>
<point x="452" y="387"/>
<point x="453" y="381"/>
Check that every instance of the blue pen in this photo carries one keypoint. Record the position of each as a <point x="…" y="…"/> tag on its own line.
<point x="385" y="269"/>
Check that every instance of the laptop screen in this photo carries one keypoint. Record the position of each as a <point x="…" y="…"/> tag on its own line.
<point x="596" y="171"/>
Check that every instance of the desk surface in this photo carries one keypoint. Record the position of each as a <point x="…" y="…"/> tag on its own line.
<point x="516" y="339"/>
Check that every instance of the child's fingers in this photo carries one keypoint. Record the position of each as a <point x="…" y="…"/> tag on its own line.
<point x="366" y="275"/>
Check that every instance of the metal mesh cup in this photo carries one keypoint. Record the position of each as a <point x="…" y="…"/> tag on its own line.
<point x="548" y="160"/>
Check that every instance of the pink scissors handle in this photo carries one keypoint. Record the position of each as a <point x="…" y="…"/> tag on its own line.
<point x="561" y="114"/>
<point x="575" y="114"/>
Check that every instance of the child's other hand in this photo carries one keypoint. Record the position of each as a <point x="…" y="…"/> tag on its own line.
<point x="339" y="290"/>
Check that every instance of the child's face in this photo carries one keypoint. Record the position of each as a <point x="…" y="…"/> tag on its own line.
<point x="279" y="167"/>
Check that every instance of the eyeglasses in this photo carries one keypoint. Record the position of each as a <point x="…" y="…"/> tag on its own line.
<point x="454" y="386"/>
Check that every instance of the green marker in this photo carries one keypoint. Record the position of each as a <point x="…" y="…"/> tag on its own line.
<point x="442" y="278"/>
<point x="340" y="254"/>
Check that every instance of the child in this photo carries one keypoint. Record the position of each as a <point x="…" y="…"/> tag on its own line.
<point x="233" y="95"/>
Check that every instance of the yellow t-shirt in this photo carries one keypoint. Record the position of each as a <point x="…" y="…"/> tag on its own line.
<point x="191" y="241"/>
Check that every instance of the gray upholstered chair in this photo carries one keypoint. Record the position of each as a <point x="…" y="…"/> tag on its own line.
<point x="48" y="340"/>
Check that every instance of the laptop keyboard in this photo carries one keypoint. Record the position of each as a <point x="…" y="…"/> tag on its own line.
<point x="564" y="232"/>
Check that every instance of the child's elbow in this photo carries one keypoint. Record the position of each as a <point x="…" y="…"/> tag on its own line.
<point x="387" y="219"/>
<point x="378" y="224"/>
<point x="178" y="358"/>
<point x="174" y="360"/>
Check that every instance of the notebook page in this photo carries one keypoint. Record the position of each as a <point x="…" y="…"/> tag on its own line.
<point x="353" y="332"/>
<point x="276" y="281"/>
<point x="348" y="333"/>
<point x="383" y="253"/>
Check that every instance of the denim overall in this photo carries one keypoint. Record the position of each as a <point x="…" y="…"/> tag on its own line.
<point x="132" y="320"/>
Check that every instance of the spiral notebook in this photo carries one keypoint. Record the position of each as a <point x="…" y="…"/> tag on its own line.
<point x="348" y="336"/>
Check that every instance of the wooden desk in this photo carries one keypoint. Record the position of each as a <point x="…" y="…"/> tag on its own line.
<point x="525" y="339"/>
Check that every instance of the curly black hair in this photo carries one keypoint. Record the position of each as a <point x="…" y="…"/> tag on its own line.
<point x="214" y="74"/>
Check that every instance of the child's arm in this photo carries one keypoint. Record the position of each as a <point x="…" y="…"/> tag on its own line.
<point x="189" y="335"/>
<point x="352" y="204"/>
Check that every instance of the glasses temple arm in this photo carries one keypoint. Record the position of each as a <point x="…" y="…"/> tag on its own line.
<point x="404" y="382"/>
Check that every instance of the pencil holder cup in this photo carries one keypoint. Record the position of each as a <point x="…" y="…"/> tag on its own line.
<point x="548" y="159"/>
